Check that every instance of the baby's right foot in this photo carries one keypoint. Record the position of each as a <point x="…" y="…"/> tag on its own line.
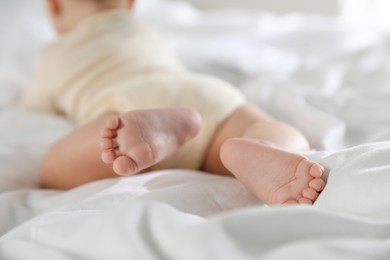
<point x="139" y="139"/>
<point x="273" y="175"/>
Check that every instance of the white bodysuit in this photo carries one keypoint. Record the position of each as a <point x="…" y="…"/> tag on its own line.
<point x="114" y="63"/>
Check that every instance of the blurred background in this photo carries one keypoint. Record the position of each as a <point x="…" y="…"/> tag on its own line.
<point x="355" y="12"/>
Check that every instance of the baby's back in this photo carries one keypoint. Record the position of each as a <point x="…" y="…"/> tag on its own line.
<point x="104" y="51"/>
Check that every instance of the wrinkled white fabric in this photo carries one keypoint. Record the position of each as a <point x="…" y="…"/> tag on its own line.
<point x="329" y="80"/>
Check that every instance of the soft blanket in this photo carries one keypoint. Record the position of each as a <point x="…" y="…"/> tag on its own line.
<point x="329" y="80"/>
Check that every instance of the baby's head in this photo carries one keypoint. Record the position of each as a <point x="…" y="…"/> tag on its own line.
<point x="66" y="14"/>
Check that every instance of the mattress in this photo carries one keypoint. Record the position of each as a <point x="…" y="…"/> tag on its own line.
<point x="329" y="80"/>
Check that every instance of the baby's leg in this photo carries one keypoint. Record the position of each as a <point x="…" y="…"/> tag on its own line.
<point x="137" y="140"/>
<point x="261" y="152"/>
<point x="75" y="159"/>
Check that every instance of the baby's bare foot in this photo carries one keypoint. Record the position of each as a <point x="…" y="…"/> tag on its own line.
<point x="139" y="139"/>
<point x="275" y="176"/>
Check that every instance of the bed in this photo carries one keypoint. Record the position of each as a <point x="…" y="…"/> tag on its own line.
<point x="329" y="80"/>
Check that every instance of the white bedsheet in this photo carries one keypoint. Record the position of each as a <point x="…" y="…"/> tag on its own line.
<point x="330" y="81"/>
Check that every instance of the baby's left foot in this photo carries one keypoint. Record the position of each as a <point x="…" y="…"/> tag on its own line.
<point x="273" y="175"/>
<point x="137" y="140"/>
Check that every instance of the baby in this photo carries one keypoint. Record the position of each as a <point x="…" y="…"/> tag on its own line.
<point x="137" y="109"/>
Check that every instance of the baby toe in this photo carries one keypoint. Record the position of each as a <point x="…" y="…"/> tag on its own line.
<point x="108" y="156"/>
<point x="113" y="123"/>
<point x="305" y="201"/>
<point x="106" y="144"/>
<point x="107" y="133"/>
<point x="310" y="194"/>
<point x="317" y="184"/>
<point x="316" y="170"/>
<point x="290" y="202"/>
<point x="124" y="165"/>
